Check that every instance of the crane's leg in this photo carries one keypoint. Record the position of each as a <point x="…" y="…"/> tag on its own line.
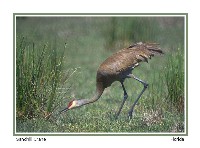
<point x="145" y="86"/>
<point x="124" y="100"/>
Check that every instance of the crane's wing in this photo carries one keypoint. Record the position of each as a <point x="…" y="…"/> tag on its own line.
<point x="129" y="57"/>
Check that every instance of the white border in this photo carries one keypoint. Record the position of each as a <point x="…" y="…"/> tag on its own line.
<point x="113" y="15"/>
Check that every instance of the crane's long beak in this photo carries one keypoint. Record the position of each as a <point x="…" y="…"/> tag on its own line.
<point x="64" y="110"/>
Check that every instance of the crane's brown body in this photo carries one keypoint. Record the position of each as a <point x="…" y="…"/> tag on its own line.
<point x="118" y="67"/>
<point x="121" y="63"/>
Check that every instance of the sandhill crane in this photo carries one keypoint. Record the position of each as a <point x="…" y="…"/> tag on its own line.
<point x="118" y="67"/>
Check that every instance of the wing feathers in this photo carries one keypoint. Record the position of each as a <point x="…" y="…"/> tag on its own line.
<point x="129" y="57"/>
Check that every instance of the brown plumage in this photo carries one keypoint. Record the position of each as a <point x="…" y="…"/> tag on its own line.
<point x="118" y="67"/>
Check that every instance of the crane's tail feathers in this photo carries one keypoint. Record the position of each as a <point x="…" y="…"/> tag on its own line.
<point x="154" y="48"/>
<point x="156" y="51"/>
<point x="150" y="48"/>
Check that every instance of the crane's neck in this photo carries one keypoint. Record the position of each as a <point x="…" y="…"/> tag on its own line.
<point x="97" y="95"/>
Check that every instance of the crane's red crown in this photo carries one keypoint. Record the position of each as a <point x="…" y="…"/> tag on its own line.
<point x="70" y="103"/>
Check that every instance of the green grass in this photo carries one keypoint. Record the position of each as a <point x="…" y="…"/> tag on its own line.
<point x="174" y="76"/>
<point x="39" y="75"/>
<point x="63" y="54"/>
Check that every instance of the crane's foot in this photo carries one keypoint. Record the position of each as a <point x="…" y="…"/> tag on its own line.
<point x="117" y="114"/>
<point x="130" y="114"/>
<point x="124" y="100"/>
<point x="116" y="117"/>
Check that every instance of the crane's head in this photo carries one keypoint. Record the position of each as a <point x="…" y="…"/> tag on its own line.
<point x="72" y="104"/>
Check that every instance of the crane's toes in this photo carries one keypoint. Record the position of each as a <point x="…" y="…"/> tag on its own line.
<point x="116" y="116"/>
<point x="130" y="114"/>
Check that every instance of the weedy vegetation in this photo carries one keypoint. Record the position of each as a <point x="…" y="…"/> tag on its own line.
<point x="39" y="76"/>
<point x="57" y="60"/>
